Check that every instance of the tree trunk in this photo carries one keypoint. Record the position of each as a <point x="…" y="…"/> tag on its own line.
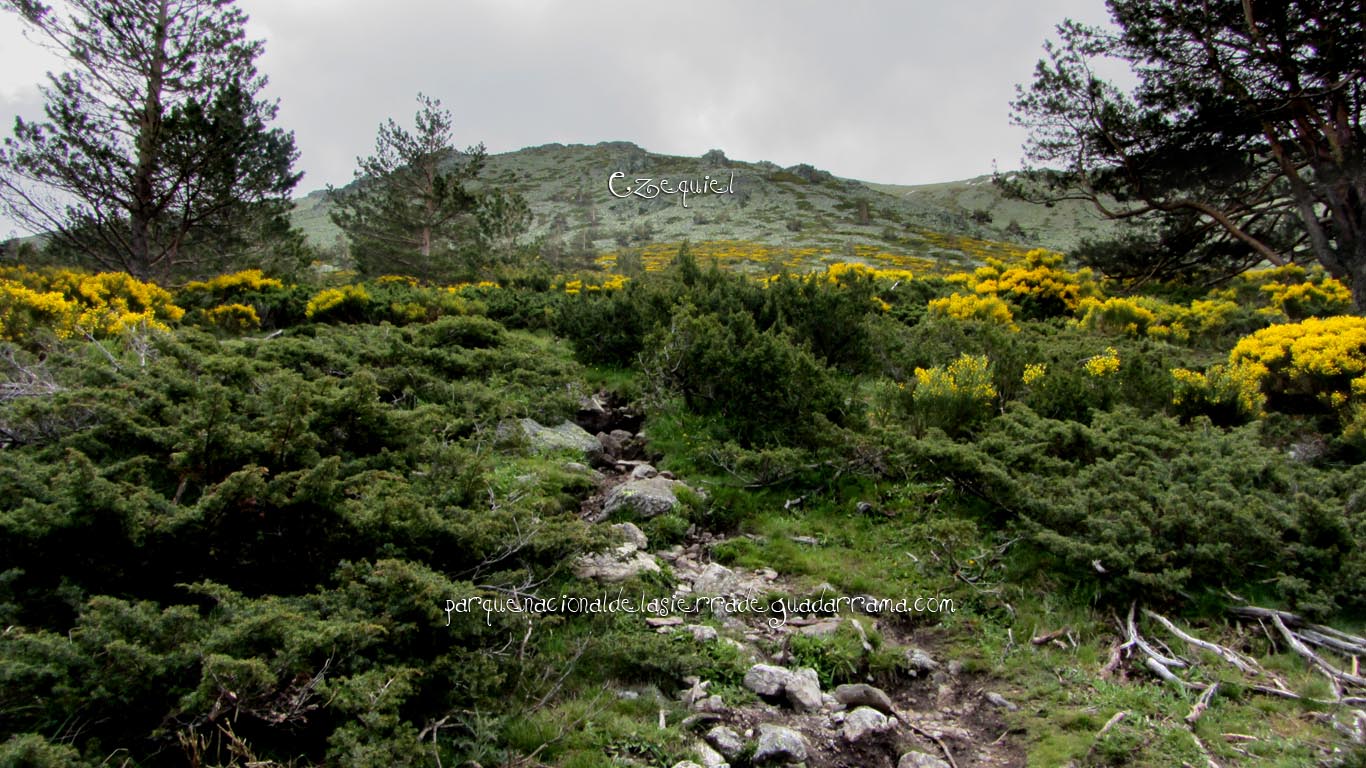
<point x="142" y="212"/>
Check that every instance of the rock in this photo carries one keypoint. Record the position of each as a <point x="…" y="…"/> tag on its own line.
<point x="632" y="535"/>
<point x="663" y="621"/>
<point x="643" y="472"/>
<point x="803" y="690"/>
<point x="766" y="679"/>
<point x="701" y="632"/>
<point x="726" y="741"/>
<point x="715" y="579"/>
<point x="592" y="416"/>
<point x="713" y="704"/>
<point x="614" y="566"/>
<point x="824" y="628"/>
<point x="568" y="436"/>
<point x="710" y="757"/>
<point x="779" y="744"/>
<point x="611" y="447"/>
<point x="862" y="723"/>
<point x="920" y="661"/>
<point x="863" y="695"/>
<point x="642" y="498"/>
<point x="920" y="760"/>
<point x="686" y="764"/>
<point x="997" y="700"/>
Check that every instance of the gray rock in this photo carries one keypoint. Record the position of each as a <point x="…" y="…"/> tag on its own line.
<point x="701" y="632"/>
<point x="779" y="744"/>
<point x="611" y="447"/>
<point x="643" y="472"/>
<point x="710" y="757"/>
<point x="715" y="579"/>
<point x="642" y="498"/>
<point x="862" y="723"/>
<point x="726" y="741"/>
<point x="713" y="704"/>
<point x="616" y="565"/>
<point x="863" y="695"/>
<point x="920" y="760"/>
<point x="686" y="764"/>
<point x="997" y="700"/>
<point x="568" y="436"/>
<point x="803" y="690"/>
<point x="823" y="628"/>
<point x="632" y="535"/>
<point x="766" y="679"/>
<point x="920" y="661"/>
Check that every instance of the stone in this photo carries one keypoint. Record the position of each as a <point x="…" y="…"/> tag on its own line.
<point x="715" y="579"/>
<point x="568" y="436"/>
<point x="920" y="661"/>
<point x="779" y="744"/>
<point x="686" y="764"/>
<point x="726" y="741"/>
<point x="824" y="628"/>
<point x="710" y="757"/>
<point x="864" y="695"/>
<point x="713" y="704"/>
<point x="997" y="700"/>
<point x="803" y="690"/>
<point x="632" y="535"/>
<point x="643" y="472"/>
<point x="611" y="447"/>
<point x="766" y="679"/>
<point x="863" y="723"/>
<point x="614" y="566"/>
<point x="920" y="760"/>
<point x="646" y="498"/>
<point x="701" y="632"/>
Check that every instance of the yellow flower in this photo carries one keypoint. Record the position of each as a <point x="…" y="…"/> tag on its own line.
<point x="1102" y="365"/>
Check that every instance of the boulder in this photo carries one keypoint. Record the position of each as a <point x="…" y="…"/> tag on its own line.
<point x="920" y="760"/>
<point x="643" y="472"/>
<point x="568" y="436"/>
<point x="616" y="565"/>
<point x="646" y="498"/>
<point x="803" y="690"/>
<point x="862" y="723"/>
<point x="710" y="757"/>
<point x="920" y="661"/>
<point x="633" y="536"/>
<point x="864" y="695"/>
<point x="766" y="679"/>
<point x="726" y="741"/>
<point x="779" y="744"/>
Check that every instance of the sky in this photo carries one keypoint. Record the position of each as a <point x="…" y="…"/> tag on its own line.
<point x="893" y="91"/>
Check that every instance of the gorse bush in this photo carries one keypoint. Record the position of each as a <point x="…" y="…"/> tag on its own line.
<point x="68" y="303"/>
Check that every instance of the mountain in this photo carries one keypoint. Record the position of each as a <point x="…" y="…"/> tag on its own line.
<point x="579" y="205"/>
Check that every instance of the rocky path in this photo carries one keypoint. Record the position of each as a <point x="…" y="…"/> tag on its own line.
<point x="932" y="715"/>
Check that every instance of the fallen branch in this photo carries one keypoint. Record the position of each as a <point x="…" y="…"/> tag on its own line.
<point x="1244" y="664"/>
<point x="948" y="756"/>
<point x="1202" y="704"/>
<point x="1298" y="646"/>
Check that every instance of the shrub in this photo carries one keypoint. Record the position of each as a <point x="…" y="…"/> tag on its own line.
<point x="345" y="304"/>
<point x="988" y="309"/>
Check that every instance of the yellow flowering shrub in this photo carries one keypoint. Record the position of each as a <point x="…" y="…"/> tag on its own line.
<point x="1037" y="282"/>
<point x="989" y="309"/>
<point x="969" y="376"/>
<point x="1289" y="292"/>
<point x="234" y="318"/>
<point x="1102" y="365"/>
<point x="233" y="284"/>
<point x="1033" y="372"/>
<point x="337" y="302"/>
<point x="72" y="303"/>
<point x="1236" y="389"/>
<point x="1319" y="358"/>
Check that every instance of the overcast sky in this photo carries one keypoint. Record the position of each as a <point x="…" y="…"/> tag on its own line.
<point x="899" y="91"/>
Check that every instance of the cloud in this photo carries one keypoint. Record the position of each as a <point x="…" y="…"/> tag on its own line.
<point x="909" y="92"/>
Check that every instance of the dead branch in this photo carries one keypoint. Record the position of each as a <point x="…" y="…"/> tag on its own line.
<point x="1245" y="664"/>
<point x="1202" y="704"/>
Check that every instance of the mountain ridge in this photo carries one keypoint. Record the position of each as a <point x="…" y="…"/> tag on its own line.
<point x="580" y="207"/>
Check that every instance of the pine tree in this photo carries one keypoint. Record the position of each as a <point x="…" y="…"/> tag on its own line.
<point x="1242" y="141"/>
<point x="415" y="209"/>
<point x="156" y="157"/>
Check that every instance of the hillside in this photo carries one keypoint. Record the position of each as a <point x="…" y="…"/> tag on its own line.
<point x="795" y="207"/>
